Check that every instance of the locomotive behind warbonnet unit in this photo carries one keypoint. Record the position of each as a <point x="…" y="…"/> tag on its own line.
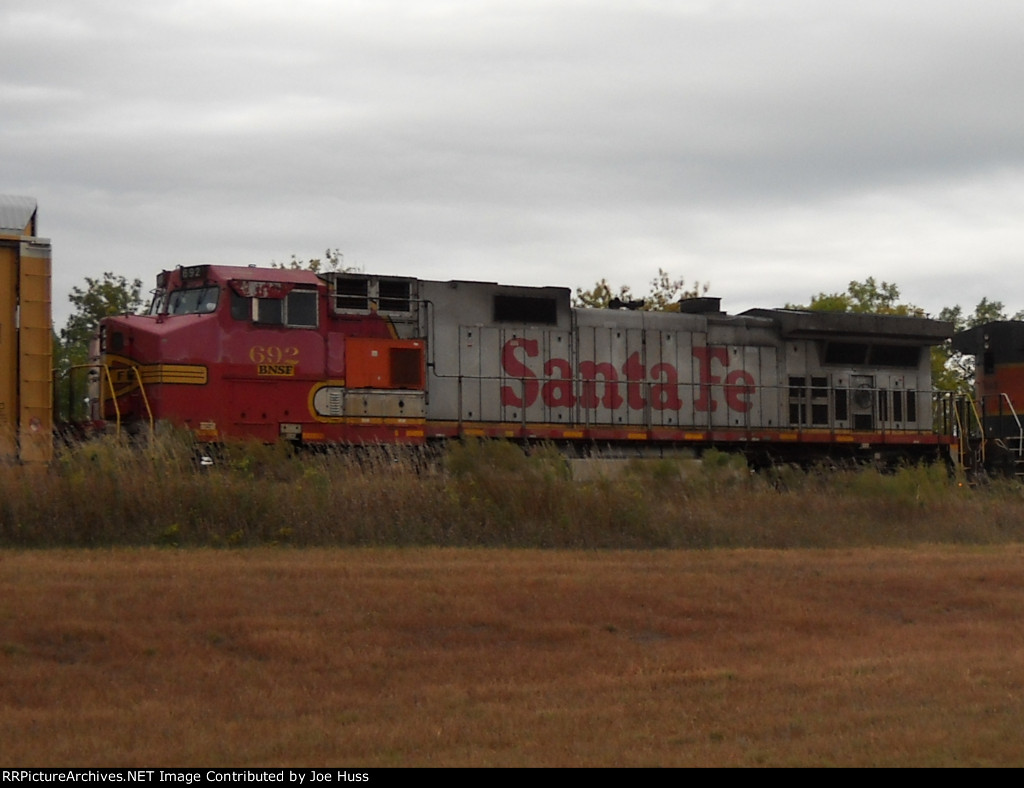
<point x="236" y="352"/>
<point x="995" y="432"/>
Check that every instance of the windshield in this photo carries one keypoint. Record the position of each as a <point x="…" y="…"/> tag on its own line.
<point x="195" y="301"/>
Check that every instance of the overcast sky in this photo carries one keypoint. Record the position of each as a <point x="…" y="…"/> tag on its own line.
<point x="772" y="149"/>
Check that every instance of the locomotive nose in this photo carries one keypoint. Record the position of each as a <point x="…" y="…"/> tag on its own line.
<point x="120" y="393"/>
<point x="112" y="336"/>
<point x="124" y="338"/>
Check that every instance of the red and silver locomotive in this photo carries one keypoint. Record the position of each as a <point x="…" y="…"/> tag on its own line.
<point x="235" y="352"/>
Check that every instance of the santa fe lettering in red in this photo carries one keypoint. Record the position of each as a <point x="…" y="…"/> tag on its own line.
<point x="600" y="384"/>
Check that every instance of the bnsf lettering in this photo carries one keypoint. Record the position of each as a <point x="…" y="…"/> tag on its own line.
<point x="276" y="370"/>
<point x="603" y="385"/>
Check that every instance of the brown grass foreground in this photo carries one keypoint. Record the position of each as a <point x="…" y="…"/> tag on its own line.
<point x="371" y="657"/>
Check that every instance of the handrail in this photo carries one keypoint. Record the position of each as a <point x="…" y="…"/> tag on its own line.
<point x="105" y="371"/>
<point x="981" y="428"/>
<point x="145" y="398"/>
<point x="1020" y="429"/>
<point x="106" y="388"/>
<point x="961" y="431"/>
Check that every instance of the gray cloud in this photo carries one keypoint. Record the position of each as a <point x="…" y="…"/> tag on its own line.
<point x="773" y="149"/>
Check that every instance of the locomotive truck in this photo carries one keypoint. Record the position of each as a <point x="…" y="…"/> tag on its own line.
<point x="280" y="354"/>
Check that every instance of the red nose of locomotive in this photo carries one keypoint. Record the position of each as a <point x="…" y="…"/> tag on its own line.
<point x="139" y="354"/>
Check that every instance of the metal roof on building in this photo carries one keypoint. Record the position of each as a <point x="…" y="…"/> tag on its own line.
<point x="16" y="213"/>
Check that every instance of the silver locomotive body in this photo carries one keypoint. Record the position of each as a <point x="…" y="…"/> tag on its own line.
<point x="522" y="362"/>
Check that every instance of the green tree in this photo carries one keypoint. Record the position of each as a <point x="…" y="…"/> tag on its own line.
<point x="112" y="294"/>
<point x="332" y="261"/>
<point x="869" y="297"/>
<point x="664" y="294"/>
<point x="985" y="312"/>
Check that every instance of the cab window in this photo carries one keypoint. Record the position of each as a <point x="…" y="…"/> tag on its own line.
<point x="193" y="301"/>
<point x="298" y="309"/>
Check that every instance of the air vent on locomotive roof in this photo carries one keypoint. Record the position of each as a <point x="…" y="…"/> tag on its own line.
<point x="701" y="305"/>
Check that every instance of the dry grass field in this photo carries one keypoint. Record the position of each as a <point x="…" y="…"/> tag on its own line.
<point x="421" y="657"/>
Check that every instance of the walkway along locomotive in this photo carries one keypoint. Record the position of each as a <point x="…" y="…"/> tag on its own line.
<point x="235" y="352"/>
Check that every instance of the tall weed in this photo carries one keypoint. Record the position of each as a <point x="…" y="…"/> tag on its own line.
<point x="479" y="493"/>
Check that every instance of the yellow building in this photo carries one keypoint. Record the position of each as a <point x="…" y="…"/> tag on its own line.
<point x="26" y="336"/>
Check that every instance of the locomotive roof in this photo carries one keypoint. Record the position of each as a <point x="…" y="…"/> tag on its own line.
<point x="265" y="274"/>
<point x="807" y="324"/>
<point x="792" y="323"/>
<point x="17" y="215"/>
